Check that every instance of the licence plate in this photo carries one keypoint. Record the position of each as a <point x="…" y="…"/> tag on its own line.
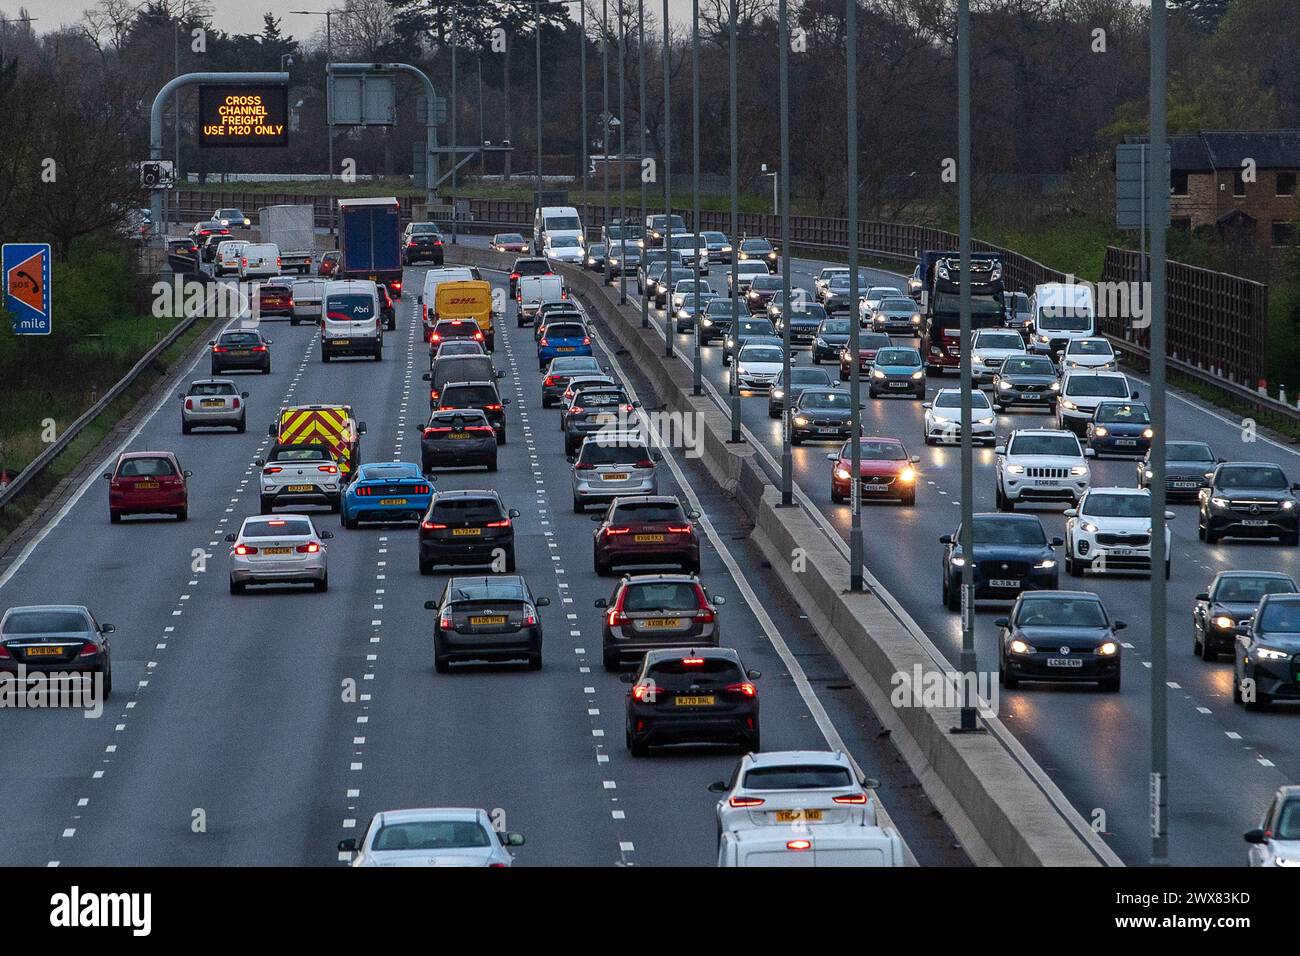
<point x="43" y="651"/>
<point x="1029" y="396"/>
<point x="565" y="348"/>
<point x="146" y="485"/>
<point x="299" y="488"/>
<point x="647" y="538"/>
<point x="615" y="476"/>
<point x="275" y="550"/>
<point x="466" y="532"/>
<point x="459" y="436"/>
<point x="694" y="701"/>
<point x="1255" y="522"/>
<point x="827" y="431"/>
<point x="392" y="501"/>
<point x="867" y="486"/>
<point x="794" y="816"/>
<point x="340" y="341"/>
<point x="1123" y="552"/>
<point x="1004" y="583"/>
<point x="213" y="403"/>
<point x="488" y="619"/>
<point x="1186" y="484"/>
<point x="1126" y="441"/>
<point x="241" y="352"/>
<point x="661" y="622"/>
<point x="1045" y="482"/>
<point x="1065" y="662"/>
<point x="898" y="384"/>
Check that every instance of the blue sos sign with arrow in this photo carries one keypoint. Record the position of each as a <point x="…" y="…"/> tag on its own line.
<point x="26" y="271"/>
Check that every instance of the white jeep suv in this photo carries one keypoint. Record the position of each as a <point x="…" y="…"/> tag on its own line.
<point x="1041" y="464"/>
<point x="1110" y="530"/>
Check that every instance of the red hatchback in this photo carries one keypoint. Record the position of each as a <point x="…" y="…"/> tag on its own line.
<point x="869" y="343"/>
<point x="329" y="264"/>
<point x="275" y="297"/>
<point x="885" y="468"/>
<point x="147" y="482"/>
<point x="646" y="529"/>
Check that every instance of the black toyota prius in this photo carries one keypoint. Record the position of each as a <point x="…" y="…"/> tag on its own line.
<point x="487" y="619"/>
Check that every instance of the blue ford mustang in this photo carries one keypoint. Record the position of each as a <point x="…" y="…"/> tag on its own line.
<point x="388" y="492"/>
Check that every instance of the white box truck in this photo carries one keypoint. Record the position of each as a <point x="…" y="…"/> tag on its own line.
<point x="293" y="229"/>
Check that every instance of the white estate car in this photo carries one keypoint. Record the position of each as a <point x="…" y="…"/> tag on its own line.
<point x="943" y="418"/>
<point x="1041" y="464"/>
<point x="989" y="349"/>
<point x="278" y="549"/>
<point x="1110" y="530"/>
<point x="451" y="836"/>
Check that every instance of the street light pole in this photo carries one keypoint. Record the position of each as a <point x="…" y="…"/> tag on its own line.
<point x="697" y="382"/>
<point x="670" y="274"/>
<point x="622" y="161"/>
<point x="640" y="62"/>
<point x="537" y="55"/>
<point x="329" y="111"/>
<point x="964" y="173"/>
<point x="855" y="323"/>
<point x="787" y="307"/>
<point x="734" y="392"/>
<point x="582" y="71"/>
<point x="604" y="124"/>
<point x="454" y="140"/>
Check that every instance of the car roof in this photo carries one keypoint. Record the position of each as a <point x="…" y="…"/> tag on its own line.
<point x="785" y="758"/>
<point x="447" y="385"/>
<point x="1239" y="573"/>
<point x="278" y="516"/>
<point x="460" y="494"/>
<point x="1044" y="431"/>
<point x="646" y="499"/>
<point x="715" y="653"/>
<point x="1251" y="464"/>
<point x="47" y="607"/>
<point x="212" y="381"/>
<point x="1119" y="490"/>
<point x="481" y="579"/>
<point x="145" y="454"/>
<point x="1071" y="595"/>
<point x="386" y="817"/>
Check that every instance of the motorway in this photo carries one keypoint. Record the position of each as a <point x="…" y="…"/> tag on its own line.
<point x="1225" y="763"/>
<point x="262" y="729"/>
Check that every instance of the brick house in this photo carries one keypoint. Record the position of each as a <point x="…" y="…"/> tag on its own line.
<point x="1210" y="187"/>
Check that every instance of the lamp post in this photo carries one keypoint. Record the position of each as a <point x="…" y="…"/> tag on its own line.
<point x="697" y="378"/>
<point x="787" y="307"/>
<point x="622" y="162"/>
<point x="774" y="175"/>
<point x="329" y="112"/>
<point x="605" y="121"/>
<point x="640" y="61"/>
<point x="582" y="71"/>
<point x="855" y="318"/>
<point x="454" y="141"/>
<point x="669" y="273"/>
<point x="734" y="392"/>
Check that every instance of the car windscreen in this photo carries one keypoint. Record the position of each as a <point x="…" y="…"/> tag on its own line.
<point x="1117" y="413"/>
<point x="897" y="305"/>
<point x="980" y="305"/>
<point x="1279" y="616"/>
<point x="994" y="529"/>
<point x="1060" y="612"/>
<point x="834" y="327"/>
<point x="999" y="340"/>
<point x="1028" y="366"/>
<point x="721" y="307"/>
<point x="1089" y="347"/>
<point x="276" y="528"/>
<point x="565" y="330"/>
<point x="1260" y="477"/>
<point x="575" y="363"/>
<point x="953" y="400"/>
<point x="881" y="451"/>
<point x="146" y="468"/>
<point x="532" y="267"/>
<point x="299" y="453"/>
<point x="564" y="242"/>
<point x="471" y="510"/>
<point x="752" y="327"/>
<point x="485" y="589"/>
<point x="45" y="621"/>
<point x="1101" y="505"/>
<point x="423" y="229"/>
<point x="797" y="777"/>
<point x="675" y="673"/>
<point x="907" y="357"/>
<point x="767" y="283"/>
<point x="554" y="223"/>
<point x="1287" y="824"/>
<point x="661" y="596"/>
<point x="1064" y="318"/>
<point x="510" y="238"/>
<point x="1061" y="446"/>
<point x="760" y="353"/>
<point x="804" y="311"/>
<point x="212" y="388"/>
<point x="824" y="400"/>
<point x="1248" y="590"/>
<point x="1188" y="451"/>
<point x="649" y="511"/>
<point x="596" y="249"/>
<point x="809" y="376"/>
<point x="431" y="835"/>
<point x="1104" y="386"/>
<point x="755" y="245"/>
<point x="612" y="453"/>
<point x="240" y="339"/>
<point x="874" y="340"/>
<point x="469" y="396"/>
<point x="349" y="308"/>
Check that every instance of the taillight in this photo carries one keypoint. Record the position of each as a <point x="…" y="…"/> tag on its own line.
<point x="411" y="245"/>
<point x="799" y="845"/>
<point x="311" y="547"/>
<point x="704" y="616"/>
<point x="259" y="348"/>
<point x="549" y="381"/>
<point x="243" y="549"/>
<point x="644" y="463"/>
<point x="644" y="691"/>
<point x="421" y="489"/>
<point x="498" y="524"/>
<point x="480" y="428"/>
<point x="4" y="653"/>
<point x="492" y="408"/>
<point x="236" y="405"/>
<point x="432" y="525"/>
<point x="444" y="619"/>
<point x="430" y="432"/>
<point x="576" y="410"/>
<point x="530" y="619"/>
<point x="272" y="470"/>
<point x="744" y="687"/>
<point x="586" y="340"/>
<point x="615" y="617"/>
<point x="692" y="661"/>
<point x="433" y="394"/>
<point x="328" y="469"/>
<point x="855" y="798"/>
<point x="243" y="261"/>
<point x="364" y="491"/>
<point x="746" y="801"/>
<point x="514" y="275"/>
<point x="543" y="343"/>
<point x="478" y="336"/>
<point x="584" y="466"/>
<point x="89" y="649"/>
<point x="220" y="348"/>
<point x="685" y="529"/>
<point x="189" y="404"/>
<point x="627" y="408"/>
<point x="617" y="530"/>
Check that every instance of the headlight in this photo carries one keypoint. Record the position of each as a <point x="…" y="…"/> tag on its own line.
<point x="706" y="321"/>
<point x="820" y="341"/>
<point x="1148" y="433"/>
<point x="771" y="255"/>
<point x="1078" y="471"/>
<point x="726" y="248"/>
<point x="582" y="239"/>
<point x="1005" y="385"/>
<point x="613" y="262"/>
<point x="1224" y="623"/>
<point x="958" y="561"/>
<point x="877" y="373"/>
<point x="918" y="375"/>
<point x="1288" y="505"/>
<point x="878" y="317"/>
<point x="1055" y="386"/>
<point x="976" y="357"/>
<point x="842" y="474"/>
<point x="731" y="343"/>
<point x="1219" y="502"/>
<point x="908" y="474"/>
<point x="1272" y="654"/>
<point x="1043" y="339"/>
<point x="1046" y="563"/>
<point x="1066" y="403"/>
<point x="1020" y="647"/>
<point x="1089" y="527"/>
<point x="1016" y="469"/>
<point x="985" y="421"/>
<point x="1148" y="473"/>
<point x="801" y="421"/>
<point x="1100" y="430"/>
<point x="1283" y="861"/>
<point x="1108" y="649"/>
<point x="916" y="318"/>
<point x="778" y="393"/>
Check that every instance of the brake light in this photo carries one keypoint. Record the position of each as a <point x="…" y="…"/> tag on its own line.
<point x="479" y="428"/>
<point x="530" y="619"/>
<point x="421" y="489"/>
<point x="220" y="348"/>
<point x="584" y="466"/>
<point x="277" y="262"/>
<point x="433" y="394"/>
<point x="685" y="529"/>
<point x="746" y="801"/>
<point x="189" y="404"/>
<point x="429" y="432"/>
<point x="492" y="408"/>
<point x="644" y="463"/>
<point x="617" y="530"/>
<point x="236" y="405"/>
<point x="514" y="275"/>
<point x="627" y="408"/>
<point x="4" y="653"/>
<point x="397" y="286"/>
<point x="586" y="340"/>
<point x="311" y="547"/>
<point x="498" y="524"/>
<point x="478" y="336"/>
<point x="328" y="469"/>
<point x="259" y="348"/>
<point x="411" y="245"/>
<point x="799" y="845"/>
<point x="643" y="692"/>
<point x="272" y="470"/>
<point x="744" y="687"/>
<point x="855" y="798"/>
<point x="704" y="616"/>
<point x="616" y="616"/>
<point x="437" y="242"/>
<point x="692" y="661"/>
<point x="243" y="549"/>
<point x="543" y="343"/>
<point x="549" y="381"/>
<point x="243" y="261"/>
<point x="432" y="525"/>
<point x="576" y="410"/>
<point x="435" y="337"/>
<point x="444" y="619"/>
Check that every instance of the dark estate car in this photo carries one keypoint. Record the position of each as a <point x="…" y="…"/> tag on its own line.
<point x="651" y="611"/>
<point x="1026" y="380"/>
<point x="646" y="529"/>
<point x="240" y="349"/>
<point x="821" y="414"/>
<point x="467" y="527"/>
<point x="1249" y="500"/>
<point x="487" y="619"/>
<point x="422" y="242"/>
<point x="457" y="438"/>
<point x="1267" y="649"/>
<point x="1187" y="465"/>
<point x="1059" y="636"/>
<point x="1012" y="555"/>
<point x="704" y="695"/>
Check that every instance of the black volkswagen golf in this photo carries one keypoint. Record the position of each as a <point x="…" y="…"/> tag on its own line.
<point x="487" y="619"/>
<point x="1059" y="636"/>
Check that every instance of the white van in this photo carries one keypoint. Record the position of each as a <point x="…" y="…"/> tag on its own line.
<point x="533" y="292"/>
<point x="1061" y="311"/>
<point x="259" y="260"/>
<point x="556" y="221"/>
<point x="308" y="299"/>
<point x="811" y="846"/>
<point x="228" y="256"/>
<point x="351" y="323"/>
<point x="1083" y="390"/>
<point x="428" y="295"/>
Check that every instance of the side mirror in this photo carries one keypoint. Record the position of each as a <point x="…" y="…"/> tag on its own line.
<point x="915" y="459"/>
<point x="945" y="539"/>
<point x="597" y="518"/>
<point x="871" y="783"/>
<point x="107" y="475"/>
<point x="269" y="341"/>
<point x="656" y="455"/>
<point x="514" y="839"/>
<point x="831" y="456"/>
<point x="1256" y="836"/>
<point x="259" y="462"/>
<point x="212" y="342"/>
<point x="243" y="395"/>
<point x="1203" y="596"/>
<point x="230" y="537"/>
<point x="636" y="404"/>
<point x="270" y="429"/>
<point x="753" y="674"/>
<point x="693" y="515"/>
<point x="570" y="459"/>
<point x="1002" y="622"/>
<point x="107" y="629"/>
<point x="542" y="602"/>
<point x="431" y="605"/>
<point x="719" y="600"/>
<point x="501" y="373"/>
<point x="1057" y="541"/>
<point x="187" y="473"/>
<point x="626" y="677"/>
<point x="1071" y="512"/>
<point x="1090" y="453"/>
<point x="1119" y="625"/>
<point x="601" y="602"/>
<point x="1000" y="450"/>
<point x="326" y="535"/>
<point x="427" y="376"/>
<point x="1169" y="515"/>
<point x="926" y="404"/>
<point x="505" y="401"/>
<point x="513" y="512"/>
<point x="1135" y="394"/>
<point x="419" y="300"/>
<point x="348" y="846"/>
<point x="361" y="428"/>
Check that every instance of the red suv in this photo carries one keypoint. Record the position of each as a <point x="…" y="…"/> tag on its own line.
<point x="646" y="529"/>
<point x="869" y="343"/>
<point x="147" y="482"/>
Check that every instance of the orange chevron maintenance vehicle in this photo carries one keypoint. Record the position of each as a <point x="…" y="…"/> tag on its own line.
<point x="331" y="425"/>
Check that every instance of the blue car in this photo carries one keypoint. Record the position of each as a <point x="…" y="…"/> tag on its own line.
<point x="1012" y="555"/>
<point x="562" y="338"/>
<point x="897" y="371"/>
<point x="1120" y="428"/>
<point x="388" y="491"/>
